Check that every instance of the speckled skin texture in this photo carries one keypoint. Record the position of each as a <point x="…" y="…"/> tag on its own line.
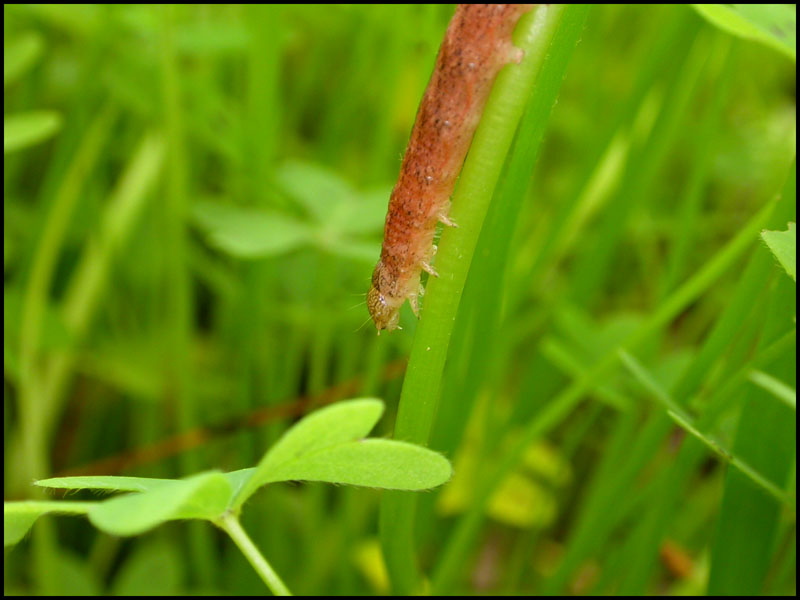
<point x="476" y="46"/>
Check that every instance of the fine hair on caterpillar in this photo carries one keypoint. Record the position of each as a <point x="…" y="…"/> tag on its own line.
<point x="476" y="46"/>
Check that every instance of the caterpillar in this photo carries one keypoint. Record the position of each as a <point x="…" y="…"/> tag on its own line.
<point x="476" y="46"/>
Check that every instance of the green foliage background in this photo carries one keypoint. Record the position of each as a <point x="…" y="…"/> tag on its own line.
<point x="193" y="204"/>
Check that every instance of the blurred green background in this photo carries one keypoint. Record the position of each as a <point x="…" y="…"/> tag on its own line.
<point x="193" y="204"/>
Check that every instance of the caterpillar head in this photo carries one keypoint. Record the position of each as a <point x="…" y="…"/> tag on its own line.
<point x="384" y="309"/>
<point x="383" y="313"/>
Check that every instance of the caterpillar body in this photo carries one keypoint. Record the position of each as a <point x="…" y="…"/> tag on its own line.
<point x="476" y="46"/>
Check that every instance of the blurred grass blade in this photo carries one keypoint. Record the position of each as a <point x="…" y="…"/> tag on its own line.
<point x="88" y="282"/>
<point x="776" y="387"/>
<point x="55" y="334"/>
<point x="754" y="278"/>
<point x="21" y="130"/>
<point x="34" y="409"/>
<point x="155" y="567"/>
<point x="687" y="423"/>
<point x="20" y="54"/>
<point x="557" y="353"/>
<point x="561" y="406"/>
<point x="743" y="547"/>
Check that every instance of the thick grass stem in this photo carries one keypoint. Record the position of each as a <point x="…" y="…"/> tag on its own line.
<point x="479" y="176"/>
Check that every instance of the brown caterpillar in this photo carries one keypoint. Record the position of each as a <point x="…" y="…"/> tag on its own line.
<point x="476" y="46"/>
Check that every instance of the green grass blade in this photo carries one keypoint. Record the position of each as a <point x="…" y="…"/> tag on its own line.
<point x="27" y="129"/>
<point x="561" y="406"/>
<point x="478" y="178"/>
<point x="687" y="423"/>
<point x="126" y="203"/>
<point x="776" y="387"/>
<point x="766" y="438"/>
<point x="20" y="55"/>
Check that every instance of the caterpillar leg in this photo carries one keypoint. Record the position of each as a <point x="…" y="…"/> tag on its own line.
<point x="445" y="220"/>
<point x="426" y="266"/>
<point x="413" y="300"/>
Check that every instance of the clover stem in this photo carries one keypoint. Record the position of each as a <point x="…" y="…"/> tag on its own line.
<point x="230" y="523"/>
